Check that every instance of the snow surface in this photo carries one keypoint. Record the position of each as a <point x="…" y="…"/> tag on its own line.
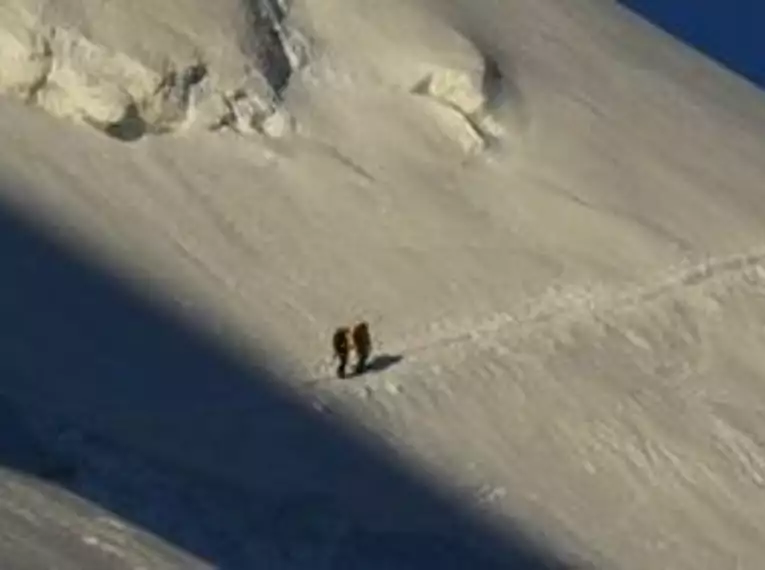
<point x="550" y="213"/>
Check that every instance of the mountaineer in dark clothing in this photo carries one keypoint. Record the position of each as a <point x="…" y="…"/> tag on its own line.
<point x="341" y="345"/>
<point x="362" y="342"/>
<point x="347" y="339"/>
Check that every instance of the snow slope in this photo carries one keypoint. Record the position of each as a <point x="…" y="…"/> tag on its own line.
<point x="551" y="214"/>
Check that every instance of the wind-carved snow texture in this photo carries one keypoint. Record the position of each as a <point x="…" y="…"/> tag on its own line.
<point x="60" y="70"/>
<point x="663" y="333"/>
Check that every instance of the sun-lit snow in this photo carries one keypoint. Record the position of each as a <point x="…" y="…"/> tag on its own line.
<point x="551" y="211"/>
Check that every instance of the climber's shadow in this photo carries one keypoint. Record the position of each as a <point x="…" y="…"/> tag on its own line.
<point x="382" y="362"/>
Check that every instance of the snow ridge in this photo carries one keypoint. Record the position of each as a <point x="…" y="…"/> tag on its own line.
<point x="62" y="71"/>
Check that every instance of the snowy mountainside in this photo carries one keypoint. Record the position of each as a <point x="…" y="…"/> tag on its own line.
<point x="550" y="213"/>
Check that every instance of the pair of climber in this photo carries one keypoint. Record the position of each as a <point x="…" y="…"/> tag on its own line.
<point x="347" y="339"/>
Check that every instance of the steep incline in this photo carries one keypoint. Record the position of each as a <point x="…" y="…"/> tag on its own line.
<point x="551" y="214"/>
